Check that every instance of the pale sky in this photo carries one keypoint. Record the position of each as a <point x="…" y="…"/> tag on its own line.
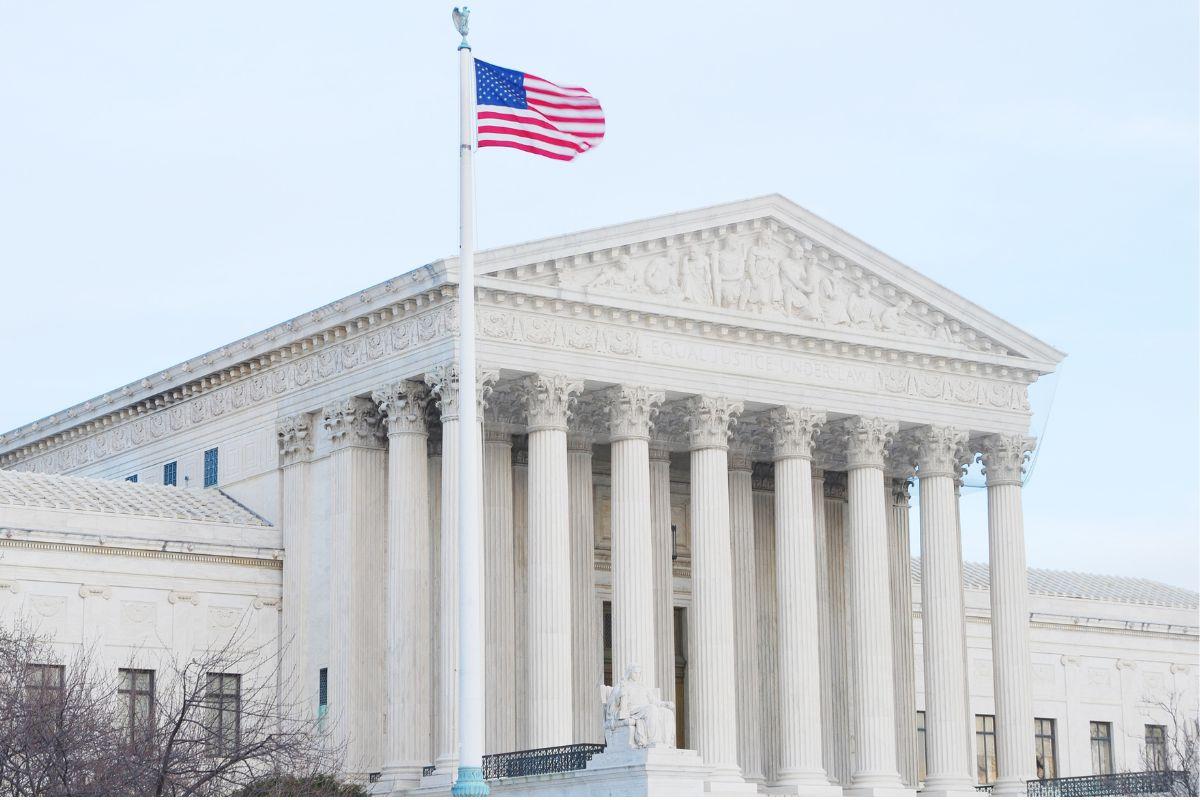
<point x="174" y="176"/>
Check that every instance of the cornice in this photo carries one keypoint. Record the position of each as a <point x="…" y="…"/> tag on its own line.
<point x="132" y="552"/>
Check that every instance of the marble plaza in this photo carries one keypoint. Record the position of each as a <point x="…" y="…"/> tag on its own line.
<point x="699" y="433"/>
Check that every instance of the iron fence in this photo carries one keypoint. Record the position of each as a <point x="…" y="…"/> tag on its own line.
<point x="1120" y="784"/>
<point x="542" y="761"/>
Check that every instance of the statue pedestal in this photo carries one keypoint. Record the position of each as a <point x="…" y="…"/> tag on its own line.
<point x="647" y="772"/>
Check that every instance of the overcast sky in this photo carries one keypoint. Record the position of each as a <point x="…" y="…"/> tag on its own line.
<point x="174" y="176"/>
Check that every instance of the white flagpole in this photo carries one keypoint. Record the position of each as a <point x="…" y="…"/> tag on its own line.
<point x="469" y="782"/>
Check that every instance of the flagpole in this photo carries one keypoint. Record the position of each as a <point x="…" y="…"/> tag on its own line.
<point x="469" y="782"/>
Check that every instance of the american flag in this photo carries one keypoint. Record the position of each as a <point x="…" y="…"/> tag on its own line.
<point x="529" y="113"/>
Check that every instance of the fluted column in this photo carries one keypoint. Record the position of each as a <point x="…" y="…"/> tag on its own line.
<point x="714" y="712"/>
<point x="295" y="437"/>
<point x="520" y="481"/>
<point x="443" y="380"/>
<point x="839" y="730"/>
<point x="587" y="651"/>
<point x="799" y="665"/>
<point x="664" y="573"/>
<point x="745" y="615"/>
<point x="768" y="638"/>
<point x="875" y="770"/>
<point x="358" y="504"/>
<point x="1003" y="458"/>
<point x="630" y="411"/>
<point x="903" y="655"/>
<point x="548" y="399"/>
<point x="499" y="594"/>
<point x="408" y="745"/>
<point x="939" y="460"/>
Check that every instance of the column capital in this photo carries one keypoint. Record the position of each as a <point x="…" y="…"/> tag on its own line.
<point x="795" y="428"/>
<point x="835" y="486"/>
<point x="443" y="381"/>
<point x="900" y="492"/>
<point x="404" y="404"/>
<point x="1003" y="456"/>
<point x="941" y="451"/>
<point x="295" y="436"/>
<point x="548" y="398"/>
<point x="660" y="452"/>
<point x="588" y="422"/>
<point x="710" y="420"/>
<point x="353" y="422"/>
<point x="867" y="441"/>
<point x="497" y="436"/>
<point x="632" y="410"/>
<point x="740" y="461"/>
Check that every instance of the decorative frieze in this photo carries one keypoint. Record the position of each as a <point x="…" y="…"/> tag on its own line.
<point x="295" y="437"/>
<point x="354" y="422"/>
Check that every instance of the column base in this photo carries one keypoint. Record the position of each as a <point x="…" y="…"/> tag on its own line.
<point x="803" y="788"/>
<point x="881" y="791"/>
<point x="728" y="782"/>
<point x="470" y="783"/>
<point x="947" y="791"/>
<point x="442" y="778"/>
<point x="393" y="779"/>
<point x="1010" y="787"/>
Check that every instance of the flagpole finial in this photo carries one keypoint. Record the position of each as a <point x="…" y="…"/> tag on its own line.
<point x="461" y="24"/>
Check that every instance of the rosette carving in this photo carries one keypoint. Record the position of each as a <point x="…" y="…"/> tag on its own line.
<point x="1003" y="456"/>
<point x="795" y="430"/>
<point x="295" y="437"/>
<point x="710" y="420"/>
<point x="632" y="410"/>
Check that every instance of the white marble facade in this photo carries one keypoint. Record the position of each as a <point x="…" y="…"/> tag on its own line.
<point x="716" y="411"/>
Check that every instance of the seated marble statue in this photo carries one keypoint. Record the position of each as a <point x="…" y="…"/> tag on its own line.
<point x="635" y="715"/>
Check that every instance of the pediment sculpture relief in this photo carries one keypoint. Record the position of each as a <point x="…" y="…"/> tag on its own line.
<point x="760" y="273"/>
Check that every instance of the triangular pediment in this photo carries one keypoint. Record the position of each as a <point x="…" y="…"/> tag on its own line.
<point x="767" y="260"/>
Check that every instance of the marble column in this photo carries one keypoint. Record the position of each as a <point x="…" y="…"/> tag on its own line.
<point x="434" y="483"/>
<point x="630" y="411"/>
<point x="903" y="653"/>
<point x="408" y="745"/>
<point x="768" y="638"/>
<point x="664" y="572"/>
<point x="295" y="436"/>
<point x="939" y="461"/>
<point x="836" y="699"/>
<point x="499" y="594"/>
<point x="875" y="770"/>
<point x="443" y="380"/>
<point x="1003" y="459"/>
<point x="745" y="615"/>
<point x="358" y="505"/>
<point x="520" y="481"/>
<point x="799" y="663"/>
<point x="714" y="714"/>
<point x="587" y="651"/>
<point x="547" y="400"/>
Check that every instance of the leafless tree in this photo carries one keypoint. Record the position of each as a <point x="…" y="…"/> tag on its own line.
<point x="1181" y="745"/>
<point x="214" y="724"/>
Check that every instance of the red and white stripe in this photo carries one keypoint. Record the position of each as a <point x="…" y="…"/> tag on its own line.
<point x="561" y="121"/>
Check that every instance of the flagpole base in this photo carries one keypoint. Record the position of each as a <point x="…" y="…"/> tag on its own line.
<point x="470" y="783"/>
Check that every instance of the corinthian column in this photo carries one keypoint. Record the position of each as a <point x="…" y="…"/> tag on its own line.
<point x="499" y="711"/>
<point x="630" y="411"/>
<point x="745" y="616"/>
<point x="520" y="482"/>
<point x="1003" y="458"/>
<point x="295" y="438"/>
<point x="587" y="651"/>
<point x="902" y="634"/>
<point x="443" y="380"/>
<point x="547" y="401"/>
<point x="664" y="573"/>
<point x="358" y="506"/>
<point x="714" y="712"/>
<point x="939" y="461"/>
<point x="407" y="742"/>
<point x="799" y="666"/>
<point x="875" y="769"/>
<point x="836" y="681"/>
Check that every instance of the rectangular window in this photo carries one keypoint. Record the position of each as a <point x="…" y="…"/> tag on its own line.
<point x="45" y="685"/>
<point x="210" y="468"/>
<point x="985" y="749"/>
<point x="224" y="700"/>
<point x="169" y="473"/>
<point x="1156" y="747"/>
<point x="1045" y="748"/>
<point x="136" y="693"/>
<point x="921" y="767"/>
<point x="322" y="692"/>
<point x="131" y="478"/>
<point x="1102" y="763"/>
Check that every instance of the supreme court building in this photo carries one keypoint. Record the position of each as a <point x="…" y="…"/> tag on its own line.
<point x="699" y="433"/>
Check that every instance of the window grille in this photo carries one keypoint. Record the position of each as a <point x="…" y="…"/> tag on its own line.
<point x="1102" y="763"/>
<point x="1045" y="747"/>
<point x="210" y="468"/>
<point x="224" y="700"/>
<point x="322" y="692"/>
<point x="131" y="478"/>
<point x="136" y="693"/>
<point x="985" y="749"/>
<point x="169" y="473"/>
<point x="1156" y="747"/>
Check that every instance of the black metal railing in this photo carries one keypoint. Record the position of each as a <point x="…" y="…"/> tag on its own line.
<point x="1120" y="784"/>
<point x="984" y="788"/>
<point x="542" y="761"/>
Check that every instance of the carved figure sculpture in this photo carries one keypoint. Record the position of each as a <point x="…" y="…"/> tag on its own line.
<point x="635" y="715"/>
<point x="660" y="276"/>
<point x="620" y="274"/>
<point x="729" y="275"/>
<point x="696" y="277"/>
<point x="799" y="286"/>
<point x="762" y="288"/>
<point x="833" y="303"/>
